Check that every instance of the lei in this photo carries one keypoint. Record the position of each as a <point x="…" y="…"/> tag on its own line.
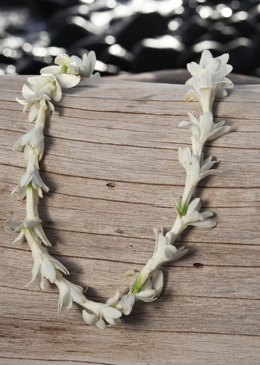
<point x="208" y="81"/>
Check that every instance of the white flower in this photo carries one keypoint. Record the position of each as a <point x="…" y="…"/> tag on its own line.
<point x="102" y="313"/>
<point x="69" y="293"/>
<point x="31" y="221"/>
<point x="73" y="65"/>
<point x="192" y="217"/>
<point x="195" y="171"/>
<point x="203" y="129"/>
<point x="208" y="79"/>
<point x="32" y="176"/>
<point x="65" y="65"/>
<point x="150" y="291"/>
<point x="165" y="251"/>
<point x="51" y="85"/>
<point x="44" y="264"/>
<point x="35" y="101"/>
<point x="86" y="65"/>
<point x="34" y="138"/>
<point x="34" y="225"/>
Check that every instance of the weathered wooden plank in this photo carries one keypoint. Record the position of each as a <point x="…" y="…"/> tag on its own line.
<point x="131" y="164"/>
<point x="135" y="220"/>
<point x="82" y="343"/>
<point x="125" y="135"/>
<point x="154" y="195"/>
<point x="233" y="283"/>
<point x="111" y="128"/>
<point x="127" y="249"/>
<point x="204" y="313"/>
<point x="145" y="100"/>
<point x="18" y="361"/>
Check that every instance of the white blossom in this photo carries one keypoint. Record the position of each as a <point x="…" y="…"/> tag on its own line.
<point x="208" y="79"/>
<point x="73" y="65"/>
<point x="203" y="129"/>
<point x="86" y="66"/>
<point x="195" y="171"/>
<point x="193" y="217"/>
<point x="35" y="101"/>
<point x="34" y="138"/>
<point x="32" y="176"/>
<point x="102" y="313"/>
<point x="69" y="292"/>
<point x="34" y="225"/>
<point x="150" y="291"/>
<point x="51" y="85"/>
<point x="45" y="265"/>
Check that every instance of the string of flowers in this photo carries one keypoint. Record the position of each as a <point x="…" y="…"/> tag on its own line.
<point x="209" y="81"/>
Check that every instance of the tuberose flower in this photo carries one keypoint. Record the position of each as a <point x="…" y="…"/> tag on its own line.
<point x="45" y="265"/>
<point x="35" y="101"/>
<point x="34" y="138"/>
<point x="32" y="176"/>
<point x="51" y="85"/>
<point x="209" y="79"/>
<point x="195" y="171"/>
<point x="69" y="292"/>
<point x="203" y="129"/>
<point x="102" y="313"/>
<point x="73" y="65"/>
<point x="150" y="291"/>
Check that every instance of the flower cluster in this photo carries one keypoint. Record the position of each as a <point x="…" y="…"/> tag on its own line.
<point x="209" y="80"/>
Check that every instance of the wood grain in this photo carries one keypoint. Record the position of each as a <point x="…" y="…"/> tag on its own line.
<point x="111" y="164"/>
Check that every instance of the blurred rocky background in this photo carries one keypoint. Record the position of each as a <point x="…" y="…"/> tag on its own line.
<point x="128" y="36"/>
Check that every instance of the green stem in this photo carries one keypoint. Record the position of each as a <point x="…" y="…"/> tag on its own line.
<point x="183" y="208"/>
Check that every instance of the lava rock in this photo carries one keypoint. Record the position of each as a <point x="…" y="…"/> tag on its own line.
<point x="71" y="31"/>
<point x="96" y="43"/>
<point x="138" y="27"/>
<point x="29" y="66"/>
<point x="241" y="54"/>
<point x="223" y="34"/>
<point x="244" y="23"/>
<point x="192" y="29"/>
<point x="193" y="53"/>
<point x="118" y="56"/>
<point x="157" y="54"/>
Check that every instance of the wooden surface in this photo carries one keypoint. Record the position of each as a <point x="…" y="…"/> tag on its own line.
<point x="111" y="164"/>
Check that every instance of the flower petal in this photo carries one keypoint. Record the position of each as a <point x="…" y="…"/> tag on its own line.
<point x="68" y="81"/>
<point x="127" y="302"/>
<point x="208" y="223"/>
<point x="193" y="205"/>
<point x="157" y="280"/>
<point x="54" y="70"/>
<point x="111" y="312"/>
<point x="89" y="318"/>
<point x="101" y="324"/>
<point x="115" y="298"/>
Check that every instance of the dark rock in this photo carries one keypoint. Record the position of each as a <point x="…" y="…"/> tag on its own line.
<point x="29" y="66"/>
<point x="138" y="27"/>
<point x="193" y="53"/>
<point x="71" y="31"/>
<point x="241" y="55"/>
<point x="192" y="29"/>
<point x="96" y="43"/>
<point x="244" y="23"/>
<point x="221" y="33"/>
<point x="118" y="56"/>
<point x="157" y="54"/>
